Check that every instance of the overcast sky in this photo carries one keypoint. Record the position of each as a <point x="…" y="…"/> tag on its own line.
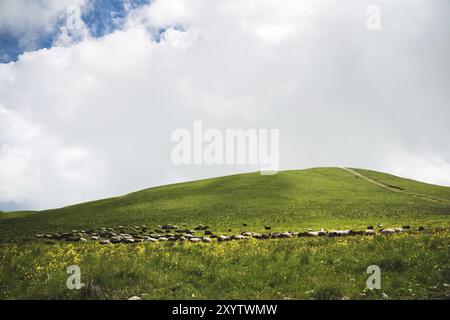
<point x="89" y="114"/>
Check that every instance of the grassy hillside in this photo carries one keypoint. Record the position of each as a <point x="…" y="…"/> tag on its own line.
<point x="322" y="197"/>
<point x="415" y="265"/>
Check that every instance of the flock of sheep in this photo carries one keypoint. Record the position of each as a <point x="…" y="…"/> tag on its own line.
<point x="169" y="232"/>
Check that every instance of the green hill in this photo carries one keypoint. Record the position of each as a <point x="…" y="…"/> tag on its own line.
<point x="415" y="265"/>
<point x="320" y="197"/>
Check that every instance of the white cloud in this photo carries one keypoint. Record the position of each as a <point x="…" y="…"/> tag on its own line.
<point x="30" y="19"/>
<point x="166" y="13"/>
<point x="94" y="119"/>
<point x="430" y="168"/>
<point x="34" y="165"/>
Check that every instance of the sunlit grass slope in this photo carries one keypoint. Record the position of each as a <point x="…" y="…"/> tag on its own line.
<point x="328" y="197"/>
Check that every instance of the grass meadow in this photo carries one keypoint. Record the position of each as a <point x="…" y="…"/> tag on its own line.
<point x="414" y="265"/>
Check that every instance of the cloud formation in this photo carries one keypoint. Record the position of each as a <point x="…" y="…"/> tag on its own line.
<point x="29" y="21"/>
<point x="94" y="119"/>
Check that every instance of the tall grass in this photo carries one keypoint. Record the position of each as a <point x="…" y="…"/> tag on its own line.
<point x="412" y="266"/>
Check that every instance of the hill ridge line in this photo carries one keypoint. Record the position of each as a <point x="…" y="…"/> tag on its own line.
<point x="390" y="188"/>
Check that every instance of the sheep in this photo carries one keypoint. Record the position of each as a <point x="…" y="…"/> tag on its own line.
<point x="387" y="231"/>
<point x="168" y="227"/>
<point x="338" y="233"/>
<point x="397" y="230"/>
<point x="223" y="238"/>
<point x="163" y="239"/>
<point x="331" y="234"/>
<point x="117" y="239"/>
<point x="312" y="234"/>
<point x="369" y="232"/>
<point x="206" y="240"/>
<point x="239" y="237"/>
<point x="370" y="228"/>
<point x="105" y="242"/>
<point x="421" y="228"/>
<point x="406" y="227"/>
<point x="274" y="235"/>
<point x="150" y="239"/>
<point x="247" y="234"/>
<point x="195" y="240"/>
<point x="286" y="235"/>
<point x="267" y="228"/>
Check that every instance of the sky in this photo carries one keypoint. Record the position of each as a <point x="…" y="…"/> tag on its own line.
<point x="88" y="112"/>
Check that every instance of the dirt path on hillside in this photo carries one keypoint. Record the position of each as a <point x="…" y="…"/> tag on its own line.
<point x="393" y="188"/>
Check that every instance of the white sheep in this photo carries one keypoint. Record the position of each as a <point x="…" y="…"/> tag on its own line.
<point x="223" y="238"/>
<point x="387" y="231"/>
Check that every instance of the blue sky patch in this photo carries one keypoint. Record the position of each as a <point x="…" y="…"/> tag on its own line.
<point x="101" y="17"/>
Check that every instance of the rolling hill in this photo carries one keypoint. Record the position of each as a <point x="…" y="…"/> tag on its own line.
<point x="415" y="265"/>
<point x="319" y="197"/>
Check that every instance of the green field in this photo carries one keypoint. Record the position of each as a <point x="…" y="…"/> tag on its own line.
<point x="414" y="265"/>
